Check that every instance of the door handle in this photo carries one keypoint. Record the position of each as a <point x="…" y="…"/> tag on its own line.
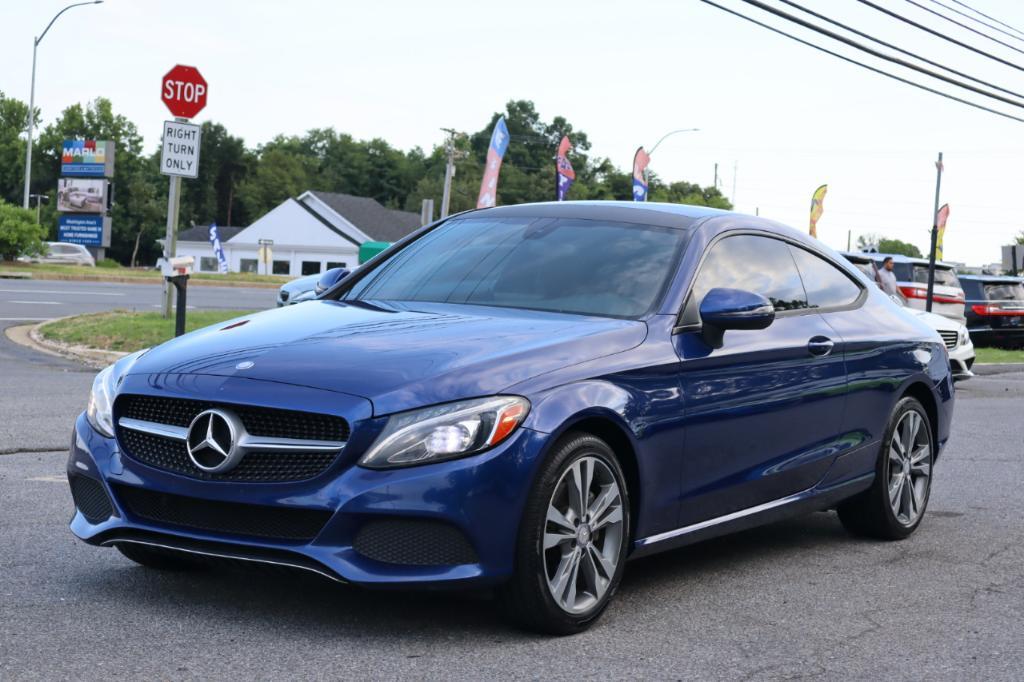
<point x="820" y="346"/>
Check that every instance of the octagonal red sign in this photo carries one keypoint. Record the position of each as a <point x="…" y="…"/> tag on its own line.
<point x="184" y="91"/>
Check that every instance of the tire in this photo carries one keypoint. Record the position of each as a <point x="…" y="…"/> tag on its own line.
<point x="586" y="554"/>
<point x="155" y="558"/>
<point x="874" y="513"/>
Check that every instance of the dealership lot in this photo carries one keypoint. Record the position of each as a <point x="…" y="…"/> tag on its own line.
<point x="795" y="599"/>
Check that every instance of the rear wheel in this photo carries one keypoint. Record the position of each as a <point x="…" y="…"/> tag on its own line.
<point x="893" y="507"/>
<point x="573" y="540"/>
<point x="155" y="558"/>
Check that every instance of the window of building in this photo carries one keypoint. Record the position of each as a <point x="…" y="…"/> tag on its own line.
<point x="331" y="265"/>
<point x="248" y="265"/>
<point x="310" y="267"/>
<point x="826" y="285"/>
<point x="208" y="264"/>
<point x="282" y="267"/>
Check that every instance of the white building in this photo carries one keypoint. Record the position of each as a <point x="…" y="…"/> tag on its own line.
<point x="315" y="232"/>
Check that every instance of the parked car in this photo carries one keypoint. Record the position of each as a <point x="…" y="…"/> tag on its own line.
<point x="309" y="287"/>
<point x="912" y="280"/>
<point x="995" y="309"/>
<point x="954" y="334"/>
<point x="63" y="253"/>
<point x="524" y="397"/>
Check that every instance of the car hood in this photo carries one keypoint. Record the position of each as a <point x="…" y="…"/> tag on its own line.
<point x="935" y="321"/>
<point x="398" y="356"/>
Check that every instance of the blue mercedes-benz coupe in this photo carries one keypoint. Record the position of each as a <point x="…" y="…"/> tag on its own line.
<point x="524" y="397"/>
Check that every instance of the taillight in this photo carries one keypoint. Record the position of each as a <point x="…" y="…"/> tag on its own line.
<point x="922" y="293"/>
<point x="983" y="309"/>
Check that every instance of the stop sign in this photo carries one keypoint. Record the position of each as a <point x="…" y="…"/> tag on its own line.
<point x="184" y="91"/>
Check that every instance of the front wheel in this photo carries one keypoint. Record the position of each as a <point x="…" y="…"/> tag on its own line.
<point x="573" y="540"/>
<point x="892" y="508"/>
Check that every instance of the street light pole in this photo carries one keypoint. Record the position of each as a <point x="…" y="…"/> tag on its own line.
<point x="663" y="137"/>
<point x="32" y="96"/>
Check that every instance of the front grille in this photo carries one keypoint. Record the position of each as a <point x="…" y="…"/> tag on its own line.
<point x="256" y="467"/>
<point x="414" y="542"/>
<point x="949" y="338"/>
<point x="278" y="523"/>
<point x="90" y="498"/>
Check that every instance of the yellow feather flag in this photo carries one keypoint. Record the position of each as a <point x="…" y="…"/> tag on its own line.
<point x="940" y="222"/>
<point x="817" y="208"/>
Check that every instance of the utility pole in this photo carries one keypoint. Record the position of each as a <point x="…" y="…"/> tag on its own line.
<point x="449" y="171"/>
<point x="849" y="236"/>
<point x="40" y="200"/>
<point x="935" y="235"/>
<point x="735" y="169"/>
<point x="716" y="176"/>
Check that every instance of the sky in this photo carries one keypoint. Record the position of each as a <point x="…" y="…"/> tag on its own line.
<point x="777" y="117"/>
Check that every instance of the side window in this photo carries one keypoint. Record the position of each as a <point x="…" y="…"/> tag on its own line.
<point x="758" y="264"/>
<point x="826" y="285"/>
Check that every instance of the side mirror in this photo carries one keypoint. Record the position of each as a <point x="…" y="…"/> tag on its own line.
<point x="724" y="309"/>
<point x="330" y="278"/>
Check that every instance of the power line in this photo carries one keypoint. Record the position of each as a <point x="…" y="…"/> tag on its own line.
<point x="875" y="53"/>
<point x="926" y="29"/>
<point x="865" y="66"/>
<point x="897" y="48"/>
<point x="977" y="20"/>
<point x="964" y="26"/>
<point x="1001" y="23"/>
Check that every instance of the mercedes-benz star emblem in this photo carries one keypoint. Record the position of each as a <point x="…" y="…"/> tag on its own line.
<point x="213" y="441"/>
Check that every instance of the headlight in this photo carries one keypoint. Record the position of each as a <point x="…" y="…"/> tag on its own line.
<point x="435" y="434"/>
<point x="104" y="387"/>
<point x="964" y="337"/>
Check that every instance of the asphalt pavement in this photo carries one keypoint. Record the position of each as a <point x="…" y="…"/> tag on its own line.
<point x="792" y="600"/>
<point x="31" y="300"/>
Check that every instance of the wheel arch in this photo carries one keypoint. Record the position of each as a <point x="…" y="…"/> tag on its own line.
<point x="924" y="395"/>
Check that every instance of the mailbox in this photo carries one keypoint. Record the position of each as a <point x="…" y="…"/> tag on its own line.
<point x="176" y="267"/>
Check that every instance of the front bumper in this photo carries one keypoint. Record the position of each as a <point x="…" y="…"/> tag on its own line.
<point x="479" y="497"/>
<point x="961" y="359"/>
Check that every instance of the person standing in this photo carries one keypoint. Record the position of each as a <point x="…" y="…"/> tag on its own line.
<point x="887" y="278"/>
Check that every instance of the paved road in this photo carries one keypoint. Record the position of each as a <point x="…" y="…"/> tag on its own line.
<point x="43" y="299"/>
<point x="797" y="599"/>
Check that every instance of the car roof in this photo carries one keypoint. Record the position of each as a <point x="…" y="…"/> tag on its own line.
<point x="646" y="212"/>
<point x="994" y="279"/>
<point x="900" y="258"/>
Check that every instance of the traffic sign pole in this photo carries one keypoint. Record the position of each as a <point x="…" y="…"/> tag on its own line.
<point x="171" y="239"/>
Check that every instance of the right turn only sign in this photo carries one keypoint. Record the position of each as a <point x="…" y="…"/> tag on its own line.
<point x="181" y="149"/>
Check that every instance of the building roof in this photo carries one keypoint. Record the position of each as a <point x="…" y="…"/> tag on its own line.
<point x="380" y="223"/>
<point x="201" y="233"/>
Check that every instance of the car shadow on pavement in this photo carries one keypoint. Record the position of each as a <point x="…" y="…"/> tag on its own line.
<point x="312" y="607"/>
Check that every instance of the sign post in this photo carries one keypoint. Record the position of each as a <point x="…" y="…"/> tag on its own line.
<point x="183" y="90"/>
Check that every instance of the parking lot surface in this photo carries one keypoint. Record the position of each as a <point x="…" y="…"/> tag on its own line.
<point x="799" y="599"/>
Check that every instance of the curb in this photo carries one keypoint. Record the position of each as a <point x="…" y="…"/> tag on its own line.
<point x="114" y="279"/>
<point x="991" y="368"/>
<point x="28" y="335"/>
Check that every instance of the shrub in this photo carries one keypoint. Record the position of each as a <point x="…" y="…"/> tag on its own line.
<point x="107" y="263"/>
<point x="19" y="234"/>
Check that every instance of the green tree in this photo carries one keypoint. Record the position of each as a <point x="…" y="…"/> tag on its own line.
<point x="887" y="245"/>
<point x="19" y="234"/>
<point x="223" y="164"/>
<point x="13" y="116"/>
<point x="1019" y="239"/>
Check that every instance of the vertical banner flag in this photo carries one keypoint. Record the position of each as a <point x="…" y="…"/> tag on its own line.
<point x="940" y="222"/>
<point x="817" y="208"/>
<point x="495" y="153"/>
<point x="640" y="161"/>
<point x="222" y="261"/>
<point x="565" y="175"/>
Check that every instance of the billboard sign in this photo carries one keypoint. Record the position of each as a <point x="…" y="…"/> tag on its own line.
<point x="180" y="155"/>
<point x="87" y="158"/>
<point x="80" y="195"/>
<point x="87" y="230"/>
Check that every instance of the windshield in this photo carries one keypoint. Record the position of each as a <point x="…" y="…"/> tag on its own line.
<point x="1005" y="291"/>
<point x="585" y="267"/>
<point x="943" y="276"/>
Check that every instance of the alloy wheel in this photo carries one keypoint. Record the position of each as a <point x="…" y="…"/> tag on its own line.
<point x="910" y="468"/>
<point x="583" y="534"/>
